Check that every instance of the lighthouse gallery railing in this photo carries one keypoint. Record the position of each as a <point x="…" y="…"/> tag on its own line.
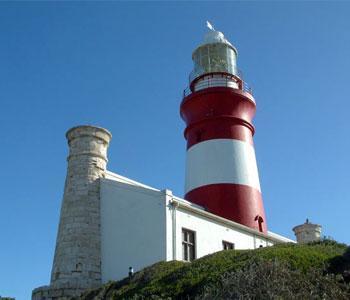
<point x="212" y="80"/>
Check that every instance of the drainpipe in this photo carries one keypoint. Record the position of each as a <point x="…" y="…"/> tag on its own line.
<point x="174" y="205"/>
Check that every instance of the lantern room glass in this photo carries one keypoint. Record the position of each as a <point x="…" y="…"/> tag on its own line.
<point x="216" y="57"/>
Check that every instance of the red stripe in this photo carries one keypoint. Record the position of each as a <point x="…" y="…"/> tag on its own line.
<point x="239" y="203"/>
<point x="218" y="128"/>
<point x="216" y="113"/>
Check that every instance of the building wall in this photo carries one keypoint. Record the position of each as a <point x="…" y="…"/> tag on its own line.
<point x="141" y="225"/>
<point x="133" y="228"/>
<point x="210" y="234"/>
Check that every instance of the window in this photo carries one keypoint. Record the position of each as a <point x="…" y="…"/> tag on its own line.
<point x="227" y="245"/>
<point x="188" y="245"/>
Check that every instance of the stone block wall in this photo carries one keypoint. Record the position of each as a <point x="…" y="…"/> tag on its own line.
<point x="307" y="232"/>
<point x="77" y="260"/>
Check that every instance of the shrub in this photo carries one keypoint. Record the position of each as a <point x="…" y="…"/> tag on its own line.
<point x="274" y="279"/>
<point x="280" y="271"/>
<point x="340" y="265"/>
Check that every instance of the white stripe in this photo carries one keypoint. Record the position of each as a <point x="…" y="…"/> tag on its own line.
<point x="221" y="161"/>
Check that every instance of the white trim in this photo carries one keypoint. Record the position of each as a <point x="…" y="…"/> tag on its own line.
<point x="280" y="237"/>
<point x="174" y="231"/>
<point x="116" y="177"/>
<point x="130" y="187"/>
<point x="270" y="236"/>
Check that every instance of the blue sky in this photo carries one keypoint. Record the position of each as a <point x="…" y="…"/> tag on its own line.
<point x="123" y="65"/>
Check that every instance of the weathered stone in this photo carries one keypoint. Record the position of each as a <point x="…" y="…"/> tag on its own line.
<point x="77" y="260"/>
<point x="307" y="232"/>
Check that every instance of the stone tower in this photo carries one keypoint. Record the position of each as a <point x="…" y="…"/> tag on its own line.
<point x="77" y="260"/>
<point x="307" y="232"/>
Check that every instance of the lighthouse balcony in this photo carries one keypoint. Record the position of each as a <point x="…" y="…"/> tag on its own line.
<point x="217" y="79"/>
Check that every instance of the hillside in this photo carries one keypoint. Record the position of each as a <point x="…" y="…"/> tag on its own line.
<point x="313" y="271"/>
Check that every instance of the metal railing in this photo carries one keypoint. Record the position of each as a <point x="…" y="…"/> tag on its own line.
<point x="247" y="88"/>
<point x="224" y="81"/>
<point x="200" y="73"/>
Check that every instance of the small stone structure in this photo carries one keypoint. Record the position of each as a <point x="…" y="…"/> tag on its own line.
<point x="77" y="260"/>
<point x="307" y="232"/>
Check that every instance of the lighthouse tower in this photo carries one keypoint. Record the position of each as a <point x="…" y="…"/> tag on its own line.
<point x="218" y="108"/>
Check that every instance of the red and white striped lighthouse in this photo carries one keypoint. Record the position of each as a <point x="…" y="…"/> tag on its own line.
<point x="218" y="108"/>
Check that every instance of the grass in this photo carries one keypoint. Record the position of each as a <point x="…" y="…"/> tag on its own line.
<point x="179" y="280"/>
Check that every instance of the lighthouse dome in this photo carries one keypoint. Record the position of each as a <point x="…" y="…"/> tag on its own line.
<point x="213" y="36"/>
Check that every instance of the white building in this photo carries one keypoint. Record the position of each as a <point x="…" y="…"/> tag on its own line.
<point x="109" y="223"/>
<point x="141" y="225"/>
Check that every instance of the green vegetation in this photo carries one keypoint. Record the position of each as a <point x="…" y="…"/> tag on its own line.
<point x="287" y="271"/>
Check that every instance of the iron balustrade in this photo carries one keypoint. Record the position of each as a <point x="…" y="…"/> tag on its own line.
<point x="224" y="81"/>
<point x="200" y="73"/>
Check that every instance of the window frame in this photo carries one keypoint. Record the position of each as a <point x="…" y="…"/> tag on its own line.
<point x="187" y="245"/>
<point x="231" y="246"/>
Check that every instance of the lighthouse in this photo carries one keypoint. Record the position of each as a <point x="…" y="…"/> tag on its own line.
<point x="97" y="242"/>
<point x="218" y="108"/>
